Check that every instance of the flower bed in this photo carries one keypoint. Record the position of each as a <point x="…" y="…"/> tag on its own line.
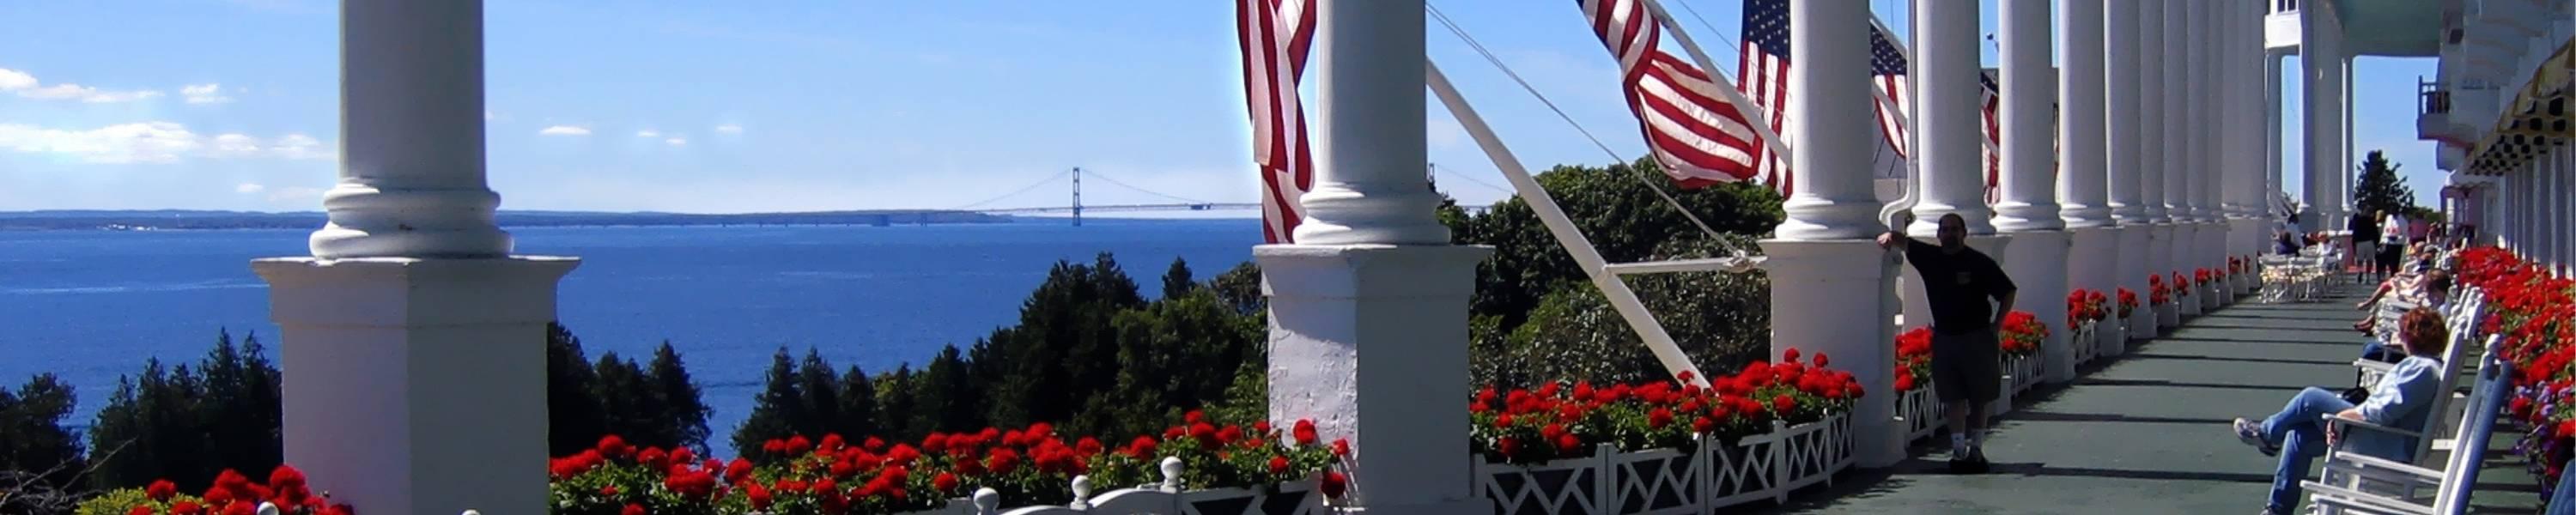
<point x="1027" y="465"/>
<point x="2085" y="311"/>
<point x="2534" y="314"/>
<point x="1664" y="447"/>
<point x="2022" y="336"/>
<point x="232" y="494"/>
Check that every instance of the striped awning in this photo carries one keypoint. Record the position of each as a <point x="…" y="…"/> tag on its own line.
<point x="2537" y="119"/>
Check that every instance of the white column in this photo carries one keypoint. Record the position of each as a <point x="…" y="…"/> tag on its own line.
<point x="2129" y="30"/>
<point x="1946" y="74"/>
<point x="417" y="342"/>
<point x="1368" y="311"/>
<point x="1823" y="258"/>
<point x="2083" y="193"/>
<point x="2029" y="211"/>
<point x="2273" y="182"/>
<point x="2178" y="136"/>
<point x="2319" y="91"/>
<point x="2344" y="171"/>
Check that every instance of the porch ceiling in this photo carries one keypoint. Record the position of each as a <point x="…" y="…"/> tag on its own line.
<point x="2393" y="28"/>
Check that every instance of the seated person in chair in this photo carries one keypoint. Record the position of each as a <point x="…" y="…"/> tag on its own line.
<point x="2401" y="400"/>
<point x="2429" y="291"/>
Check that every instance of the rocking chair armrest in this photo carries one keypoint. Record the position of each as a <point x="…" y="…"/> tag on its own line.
<point x="2332" y="420"/>
<point x="2373" y="365"/>
<point x="2354" y="501"/>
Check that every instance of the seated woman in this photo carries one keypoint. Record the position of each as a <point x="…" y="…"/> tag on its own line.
<point x="2399" y="401"/>
<point x="2429" y="293"/>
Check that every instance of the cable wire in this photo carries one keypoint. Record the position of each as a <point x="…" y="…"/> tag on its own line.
<point x="1013" y="193"/>
<point x="1095" y="174"/>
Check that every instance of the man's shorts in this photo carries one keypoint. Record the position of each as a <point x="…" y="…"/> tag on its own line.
<point x="1967" y="367"/>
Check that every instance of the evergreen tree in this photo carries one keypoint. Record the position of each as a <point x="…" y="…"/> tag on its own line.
<point x="629" y="403"/>
<point x="1176" y="280"/>
<point x="858" y="406"/>
<point x="683" y="410"/>
<point x="895" y="405"/>
<point x="241" y="408"/>
<point x="33" y="441"/>
<point x="821" y="390"/>
<point x="2380" y="189"/>
<point x="945" y="397"/>
<point x="774" y="413"/>
<point x="574" y="420"/>
<point x="151" y="429"/>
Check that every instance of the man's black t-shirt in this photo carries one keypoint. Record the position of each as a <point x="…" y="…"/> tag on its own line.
<point x="1960" y="287"/>
<point x="2364" y="228"/>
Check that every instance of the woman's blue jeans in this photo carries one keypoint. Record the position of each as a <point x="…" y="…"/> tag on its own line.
<point x="2302" y="438"/>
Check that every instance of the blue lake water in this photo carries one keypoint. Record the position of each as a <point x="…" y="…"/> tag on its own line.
<point x="92" y="305"/>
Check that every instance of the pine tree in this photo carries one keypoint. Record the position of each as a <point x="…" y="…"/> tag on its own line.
<point x="683" y="411"/>
<point x="574" y="420"/>
<point x="774" y="413"/>
<point x="895" y="405"/>
<point x="32" y="437"/>
<point x="945" y="397"/>
<point x="241" y="408"/>
<point x="1177" y="280"/>
<point x="629" y="404"/>
<point x="1240" y="288"/>
<point x="858" y="405"/>
<point x="2380" y="189"/>
<point x="821" y="390"/>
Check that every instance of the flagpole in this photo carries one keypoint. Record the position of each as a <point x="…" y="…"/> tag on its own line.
<point x="1622" y="300"/>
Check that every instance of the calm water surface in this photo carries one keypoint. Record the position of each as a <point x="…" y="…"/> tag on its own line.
<point x="92" y="305"/>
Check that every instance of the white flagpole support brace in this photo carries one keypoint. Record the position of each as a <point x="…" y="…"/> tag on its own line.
<point x="1622" y="299"/>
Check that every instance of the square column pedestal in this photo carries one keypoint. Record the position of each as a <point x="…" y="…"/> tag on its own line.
<point x="1815" y="286"/>
<point x="2037" y="264"/>
<point x="2185" y="251"/>
<point x="1370" y="341"/>
<point x="417" y="386"/>
<point x="2091" y="264"/>
<point x="2136" y="257"/>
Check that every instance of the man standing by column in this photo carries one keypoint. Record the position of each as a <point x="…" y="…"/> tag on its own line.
<point x="1966" y="372"/>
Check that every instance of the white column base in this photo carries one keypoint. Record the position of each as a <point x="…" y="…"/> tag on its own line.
<point x="1918" y="310"/>
<point x="2184" y="257"/>
<point x="2093" y="263"/>
<point x="2137" y="257"/>
<point x="1814" y="285"/>
<point x="2038" y="266"/>
<point x="1370" y="341"/>
<point x="417" y="385"/>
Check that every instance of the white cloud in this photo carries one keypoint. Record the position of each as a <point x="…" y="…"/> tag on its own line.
<point x="205" y="94"/>
<point x="153" y="142"/>
<point x="729" y="128"/>
<point x="648" y="133"/>
<point x="248" y="187"/>
<point x="489" y="117"/>
<point x="26" y="85"/>
<point x="295" y="193"/>
<point x="565" y="130"/>
<point x="677" y="141"/>
<point x="1444" y="132"/>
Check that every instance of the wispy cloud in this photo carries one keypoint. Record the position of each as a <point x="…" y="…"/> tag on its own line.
<point x="205" y="94"/>
<point x="648" y="133"/>
<point x="154" y="142"/>
<point x="249" y="187"/>
<point x="26" y="85"/>
<point x="565" y="130"/>
<point x="729" y="128"/>
<point x="677" y="141"/>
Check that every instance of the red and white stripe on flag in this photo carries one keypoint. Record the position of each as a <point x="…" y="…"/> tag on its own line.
<point x="1275" y="36"/>
<point x="1697" y="135"/>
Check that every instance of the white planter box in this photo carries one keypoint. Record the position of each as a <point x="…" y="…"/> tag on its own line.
<point x="1921" y="411"/>
<point x="1670" y="481"/>
<point x="2020" y="374"/>
<point x="2085" y="343"/>
<point x="1294" y="498"/>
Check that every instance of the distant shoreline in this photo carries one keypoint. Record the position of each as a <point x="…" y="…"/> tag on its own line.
<point x="86" y="220"/>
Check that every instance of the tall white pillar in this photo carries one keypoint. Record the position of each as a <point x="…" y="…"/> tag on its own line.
<point x="2123" y="155"/>
<point x="1368" y="310"/>
<point x="2274" y="184"/>
<point x="2178" y="137"/>
<point x="1950" y="121"/>
<point x="2345" y="172"/>
<point x="2029" y="211"/>
<point x="1946" y="79"/>
<point x="1823" y="257"/>
<point x="2321" y="92"/>
<point x="416" y="341"/>
<point x="2134" y="43"/>
<point x="2084" y="191"/>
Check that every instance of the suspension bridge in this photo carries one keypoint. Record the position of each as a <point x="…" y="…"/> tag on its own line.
<point x="1076" y="208"/>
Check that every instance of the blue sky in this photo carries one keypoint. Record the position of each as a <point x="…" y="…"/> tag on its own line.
<point x="697" y="106"/>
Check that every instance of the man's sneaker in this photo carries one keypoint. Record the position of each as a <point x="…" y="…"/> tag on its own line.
<point x="2252" y="434"/>
<point x="1977" y="463"/>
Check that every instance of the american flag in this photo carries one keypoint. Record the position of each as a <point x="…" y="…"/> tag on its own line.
<point x="1275" y="36"/>
<point x="1990" y="102"/>
<point x="1694" y="132"/>
<point x="1765" y="67"/>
